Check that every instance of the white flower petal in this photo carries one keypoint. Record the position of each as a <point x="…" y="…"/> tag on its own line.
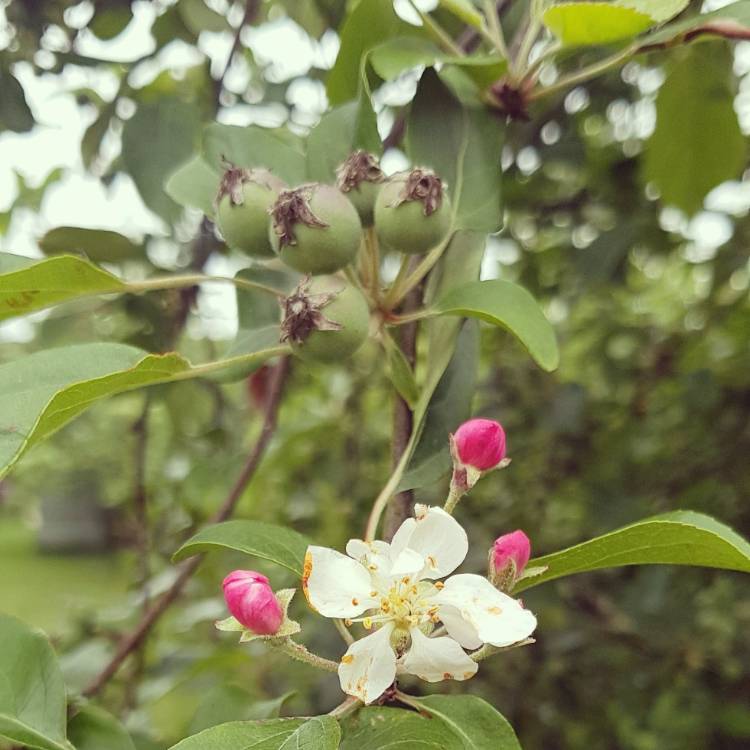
<point x="408" y="562"/>
<point x="497" y="618"/>
<point x="369" y="665"/>
<point x="436" y="659"/>
<point x="458" y="628"/>
<point x="335" y="585"/>
<point x="435" y="535"/>
<point x="375" y="556"/>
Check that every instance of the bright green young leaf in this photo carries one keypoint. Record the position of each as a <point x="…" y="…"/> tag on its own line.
<point x="277" y="544"/>
<point x="100" y="245"/>
<point x="195" y="185"/>
<point x="253" y="146"/>
<point x="476" y="724"/>
<point x="370" y="23"/>
<point x="449" y="406"/>
<point x="734" y="17"/>
<point x="678" y="538"/>
<point x="318" y="733"/>
<point x="697" y="98"/>
<point x="581" y="24"/>
<point x="159" y="137"/>
<point x="44" y="391"/>
<point x="30" y="285"/>
<point x="374" y="728"/>
<point x="32" y="693"/>
<point x="659" y="10"/>
<point x="510" y="306"/>
<point x="93" y="728"/>
<point x="464" y="151"/>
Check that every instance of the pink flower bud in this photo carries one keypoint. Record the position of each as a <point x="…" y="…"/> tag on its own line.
<point x="511" y="551"/>
<point x="480" y="443"/>
<point x="252" y="602"/>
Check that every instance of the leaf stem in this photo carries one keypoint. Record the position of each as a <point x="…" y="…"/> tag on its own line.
<point x="584" y="74"/>
<point x="437" y="31"/>
<point x="179" y="282"/>
<point x="494" y="31"/>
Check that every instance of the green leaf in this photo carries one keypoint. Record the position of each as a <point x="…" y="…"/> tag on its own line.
<point x="659" y="10"/>
<point x="277" y="544"/>
<point x="583" y="24"/>
<point x="227" y="702"/>
<point x="370" y="23"/>
<point x="449" y="406"/>
<point x="373" y="728"/>
<point x="108" y="23"/>
<point x="476" y="724"/>
<point x="464" y="151"/>
<point x="318" y="733"/>
<point x="679" y="538"/>
<point x="733" y="18"/>
<point x="330" y="142"/>
<point x="28" y="285"/>
<point x="32" y="693"/>
<point x="199" y="17"/>
<point x="253" y="146"/>
<point x="100" y="245"/>
<point x="696" y="98"/>
<point x="15" y="114"/>
<point x="46" y="390"/>
<point x="92" y="728"/>
<point x="159" y="137"/>
<point x="392" y="58"/>
<point x="509" y="306"/>
<point x="194" y="185"/>
<point x="400" y="372"/>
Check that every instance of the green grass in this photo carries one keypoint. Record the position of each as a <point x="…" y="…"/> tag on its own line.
<point x="53" y="591"/>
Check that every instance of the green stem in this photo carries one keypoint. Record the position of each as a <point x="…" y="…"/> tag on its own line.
<point x="344" y="631"/>
<point x="347" y="708"/>
<point x="372" y="250"/>
<point x="399" y="290"/>
<point x="454" y="495"/>
<point x="494" y="32"/>
<point x="490" y="650"/>
<point x="298" y="652"/>
<point x="387" y="492"/>
<point x="585" y="74"/>
<point x="400" y="320"/>
<point x="437" y="31"/>
<point x="180" y="282"/>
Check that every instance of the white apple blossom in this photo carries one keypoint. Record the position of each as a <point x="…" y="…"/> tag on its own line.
<point x="393" y="590"/>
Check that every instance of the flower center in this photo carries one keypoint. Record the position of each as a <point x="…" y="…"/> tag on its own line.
<point x="408" y="603"/>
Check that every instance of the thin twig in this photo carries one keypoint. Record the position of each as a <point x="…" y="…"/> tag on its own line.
<point x="133" y="639"/>
<point x="251" y="11"/>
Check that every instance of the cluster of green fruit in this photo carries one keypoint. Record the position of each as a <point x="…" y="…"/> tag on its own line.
<point x="317" y="230"/>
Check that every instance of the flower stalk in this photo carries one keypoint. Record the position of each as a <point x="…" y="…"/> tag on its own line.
<point x="300" y="653"/>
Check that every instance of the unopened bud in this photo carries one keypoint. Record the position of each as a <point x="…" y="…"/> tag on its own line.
<point x="480" y="443"/>
<point x="252" y="602"/>
<point x="508" y="558"/>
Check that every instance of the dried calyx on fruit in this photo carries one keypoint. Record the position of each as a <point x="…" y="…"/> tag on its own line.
<point x="412" y="211"/>
<point x="360" y="178"/>
<point x="315" y="228"/>
<point x="324" y="319"/>
<point x="242" y="204"/>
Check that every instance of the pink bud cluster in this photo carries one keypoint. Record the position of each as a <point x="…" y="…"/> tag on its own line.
<point x="251" y="601"/>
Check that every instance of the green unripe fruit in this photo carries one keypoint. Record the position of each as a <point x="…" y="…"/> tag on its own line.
<point x="315" y="229"/>
<point x="244" y="199"/>
<point x="360" y="178"/>
<point x="325" y="319"/>
<point x="412" y="212"/>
